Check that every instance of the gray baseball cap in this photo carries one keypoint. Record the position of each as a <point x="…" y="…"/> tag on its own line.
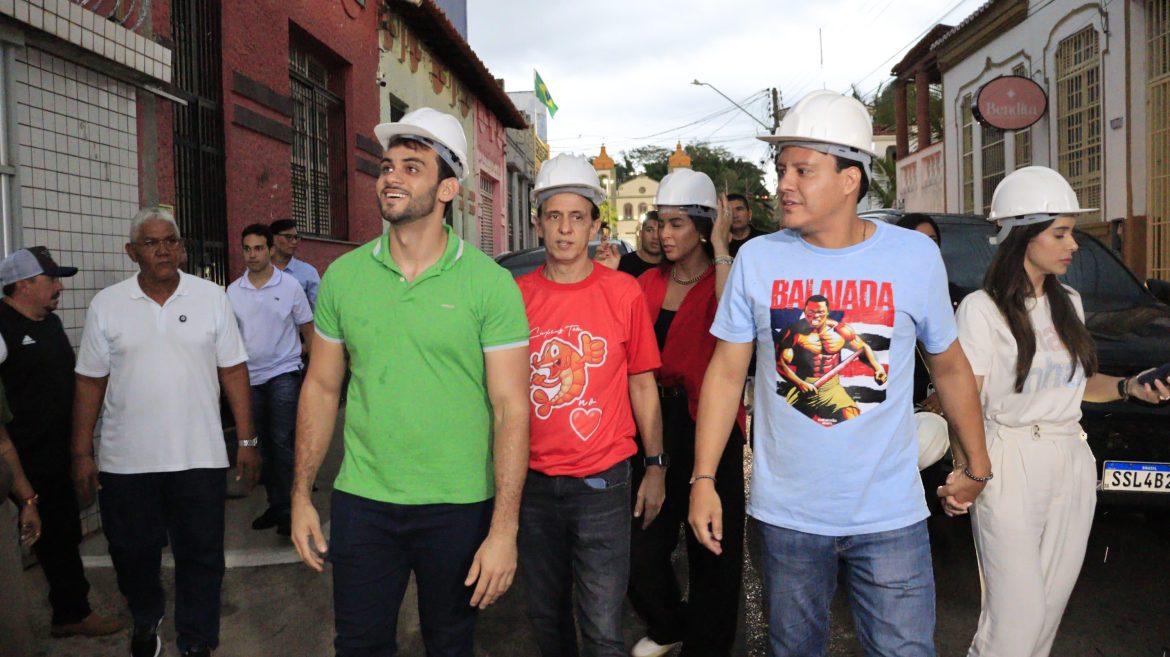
<point x="33" y="261"/>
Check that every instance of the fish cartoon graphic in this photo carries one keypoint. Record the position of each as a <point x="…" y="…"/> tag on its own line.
<point x="560" y="371"/>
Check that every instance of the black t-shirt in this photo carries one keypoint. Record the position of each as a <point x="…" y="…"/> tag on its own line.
<point x="734" y="244"/>
<point x="38" y="378"/>
<point x="633" y="265"/>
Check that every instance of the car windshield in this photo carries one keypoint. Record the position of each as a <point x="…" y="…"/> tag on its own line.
<point x="1104" y="283"/>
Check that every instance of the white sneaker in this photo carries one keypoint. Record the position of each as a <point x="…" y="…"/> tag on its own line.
<point x="646" y="647"/>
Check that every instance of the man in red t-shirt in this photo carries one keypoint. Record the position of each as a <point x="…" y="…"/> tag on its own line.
<point x="593" y="356"/>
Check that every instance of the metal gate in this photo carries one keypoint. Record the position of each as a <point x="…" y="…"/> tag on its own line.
<point x="200" y="184"/>
<point x="1158" y="120"/>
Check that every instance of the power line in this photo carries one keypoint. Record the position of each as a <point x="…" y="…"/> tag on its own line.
<point x="908" y="45"/>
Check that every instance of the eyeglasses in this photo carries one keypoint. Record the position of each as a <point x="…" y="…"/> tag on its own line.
<point x="169" y="243"/>
<point x="292" y="237"/>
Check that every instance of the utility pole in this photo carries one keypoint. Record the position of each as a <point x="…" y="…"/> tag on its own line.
<point x="775" y="109"/>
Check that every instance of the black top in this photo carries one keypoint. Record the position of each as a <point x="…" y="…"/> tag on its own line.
<point x="633" y="265"/>
<point x="38" y="377"/>
<point x="662" y="326"/>
<point x="734" y="244"/>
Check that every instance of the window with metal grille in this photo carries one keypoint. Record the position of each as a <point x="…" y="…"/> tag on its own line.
<point x="1022" y="138"/>
<point x="1158" y="122"/>
<point x="1078" y="115"/>
<point x="318" y="148"/>
<point x="487" y="188"/>
<point x="968" y="156"/>
<point x="991" y="162"/>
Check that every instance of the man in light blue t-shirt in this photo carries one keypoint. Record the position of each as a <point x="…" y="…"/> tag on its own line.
<point x="834" y="305"/>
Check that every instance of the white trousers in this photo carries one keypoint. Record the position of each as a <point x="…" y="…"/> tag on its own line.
<point x="1031" y="527"/>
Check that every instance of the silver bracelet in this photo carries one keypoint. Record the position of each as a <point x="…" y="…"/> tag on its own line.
<point x="723" y="260"/>
<point x="982" y="480"/>
<point x="704" y="476"/>
<point x="250" y="443"/>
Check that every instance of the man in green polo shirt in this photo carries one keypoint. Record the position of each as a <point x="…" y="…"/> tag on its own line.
<point x="436" y="426"/>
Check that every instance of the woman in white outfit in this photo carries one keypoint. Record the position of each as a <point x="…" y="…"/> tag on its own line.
<point x="1035" y="362"/>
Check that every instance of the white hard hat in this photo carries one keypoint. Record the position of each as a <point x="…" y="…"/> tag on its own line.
<point x="830" y="123"/>
<point x="1031" y="195"/>
<point x="933" y="439"/>
<point x="438" y="130"/>
<point x="568" y="173"/>
<point x="685" y="187"/>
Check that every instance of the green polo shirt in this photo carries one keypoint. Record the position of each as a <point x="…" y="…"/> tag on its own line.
<point x="418" y="421"/>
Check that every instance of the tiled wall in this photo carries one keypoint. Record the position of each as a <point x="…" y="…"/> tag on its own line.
<point x="78" y="173"/>
<point x="69" y="21"/>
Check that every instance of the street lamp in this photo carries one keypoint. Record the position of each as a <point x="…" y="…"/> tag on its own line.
<point x="708" y="84"/>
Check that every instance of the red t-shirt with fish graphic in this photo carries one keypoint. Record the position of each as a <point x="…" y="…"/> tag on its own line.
<point x="585" y="339"/>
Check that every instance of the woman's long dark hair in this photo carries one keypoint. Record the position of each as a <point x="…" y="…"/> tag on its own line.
<point x="1007" y="283"/>
<point x="915" y="219"/>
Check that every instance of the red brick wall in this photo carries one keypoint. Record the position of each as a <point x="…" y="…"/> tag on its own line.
<point x="255" y="43"/>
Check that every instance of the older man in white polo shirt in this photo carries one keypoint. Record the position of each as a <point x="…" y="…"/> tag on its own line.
<point x="271" y="307"/>
<point x="156" y="349"/>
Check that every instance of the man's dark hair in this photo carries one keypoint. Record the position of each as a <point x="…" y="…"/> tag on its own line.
<point x="258" y="229"/>
<point x="741" y="198"/>
<point x="281" y="225"/>
<point x="9" y="289"/>
<point x="445" y="170"/>
<point x="817" y="298"/>
<point x="843" y="164"/>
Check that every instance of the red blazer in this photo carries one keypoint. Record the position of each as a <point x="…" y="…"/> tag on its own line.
<point x="689" y="343"/>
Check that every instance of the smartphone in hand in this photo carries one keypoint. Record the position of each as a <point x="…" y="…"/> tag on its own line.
<point x="1162" y="373"/>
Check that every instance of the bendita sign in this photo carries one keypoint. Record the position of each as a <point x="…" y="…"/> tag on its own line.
<point x="1010" y="102"/>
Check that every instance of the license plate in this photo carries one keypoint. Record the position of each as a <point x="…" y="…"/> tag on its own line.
<point x="1136" y="476"/>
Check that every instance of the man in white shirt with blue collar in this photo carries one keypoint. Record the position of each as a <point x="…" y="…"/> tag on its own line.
<point x="271" y="307"/>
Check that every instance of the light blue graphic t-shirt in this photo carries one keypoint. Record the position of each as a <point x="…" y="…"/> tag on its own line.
<point x="835" y="450"/>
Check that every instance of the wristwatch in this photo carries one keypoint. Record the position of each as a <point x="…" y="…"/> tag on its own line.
<point x="250" y="443"/>
<point x="662" y="460"/>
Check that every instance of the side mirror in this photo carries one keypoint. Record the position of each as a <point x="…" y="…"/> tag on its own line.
<point x="1160" y="289"/>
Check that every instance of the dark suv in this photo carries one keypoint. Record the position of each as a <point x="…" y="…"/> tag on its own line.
<point x="1132" y="330"/>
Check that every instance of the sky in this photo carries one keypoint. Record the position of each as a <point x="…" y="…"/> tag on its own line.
<point x="621" y="71"/>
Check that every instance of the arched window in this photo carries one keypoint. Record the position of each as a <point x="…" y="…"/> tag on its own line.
<point x="641" y="209"/>
<point x="628" y="211"/>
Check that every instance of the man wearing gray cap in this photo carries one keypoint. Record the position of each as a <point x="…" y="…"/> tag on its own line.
<point x="38" y="376"/>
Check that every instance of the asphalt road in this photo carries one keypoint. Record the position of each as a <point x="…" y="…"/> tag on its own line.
<point x="1120" y="606"/>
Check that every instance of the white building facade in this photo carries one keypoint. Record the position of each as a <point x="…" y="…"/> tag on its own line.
<point x="1105" y="68"/>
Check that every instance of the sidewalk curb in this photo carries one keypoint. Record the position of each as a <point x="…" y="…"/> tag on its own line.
<point x="240" y="558"/>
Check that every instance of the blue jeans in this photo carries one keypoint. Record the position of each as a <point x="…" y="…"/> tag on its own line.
<point x="890" y="584"/>
<point x="139" y="513"/>
<point x="575" y="531"/>
<point x="274" y="413"/>
<point x="375" y="546"/>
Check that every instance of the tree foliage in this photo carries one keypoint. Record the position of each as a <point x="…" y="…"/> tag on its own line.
<point x="729" y="173"/>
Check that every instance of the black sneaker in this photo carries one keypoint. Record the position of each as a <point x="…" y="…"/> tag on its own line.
<point x="266" y="520"/>
<point x="145" y="642"/>
<point x="197" y="652"/>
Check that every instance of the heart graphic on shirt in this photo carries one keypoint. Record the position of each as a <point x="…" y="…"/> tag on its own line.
<point x="585" y="422"/>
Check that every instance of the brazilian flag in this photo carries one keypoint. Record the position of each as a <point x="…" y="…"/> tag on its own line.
<point x="543" y="95"/>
